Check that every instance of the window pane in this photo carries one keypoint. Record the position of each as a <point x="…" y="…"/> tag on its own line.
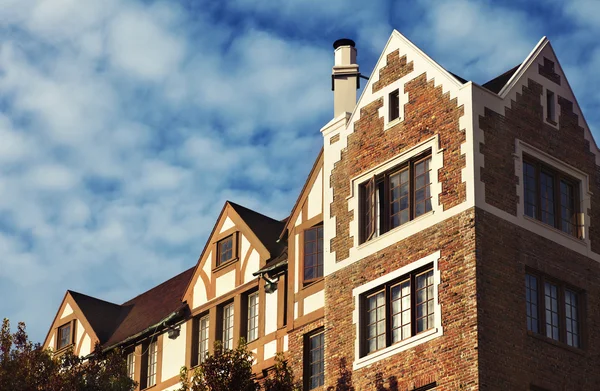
<point x="64" y="335"/>
<point x="225" y="250"/>
<point x="572" y="321"/>
<point x="152" y="355"/>
<point x="547" y="192"/>
<point x="316" y="362"/>
<point x="422" y="187"/>
<point x="424" y="301"/>
<point x="567" y="208"/>
<point x="252" y="317"/>
<point x="530" y="190"/>
<point x="551" y="301"/>
<point x="400" y="311"/>
<point x="313" y="253"/>
<point x="131" y="365"/>
<point x="228" y="326"/>
<point x="376" y="321"/>
<point x="531" y="296"/>
<point x="203" y="339"/>
<point x="399" y="200"/>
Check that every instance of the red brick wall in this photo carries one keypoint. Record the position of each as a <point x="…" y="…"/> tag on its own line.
<point x="450" y="359"/>
<point x="296" y="349"/>
<point x="524" y="120"/>
<point x="510" y="358"/>
<point x="428" y="112"/>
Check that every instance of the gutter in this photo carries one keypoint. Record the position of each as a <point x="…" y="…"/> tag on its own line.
<point x="153" y="328"/>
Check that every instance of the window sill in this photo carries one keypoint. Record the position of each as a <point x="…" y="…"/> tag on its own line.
<point x="556" y="343"/>
<point x="555" y="230"/>
<point x="397" y="348"/>
<point x="224" y="265"/>
<point x="308" y="284"/>
<point x="398" y="228"/>
<point x="392" y="123"/>
<point x="64" y="349"/>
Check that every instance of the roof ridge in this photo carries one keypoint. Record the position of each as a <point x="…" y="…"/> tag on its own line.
<point x="72" y="293"/>
<point x="235" y="205"/>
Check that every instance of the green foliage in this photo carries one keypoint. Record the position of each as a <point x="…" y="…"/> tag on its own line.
<point x="25" y="366"/>
<point x="282" y="377"/>
<point x="224" y="370"/>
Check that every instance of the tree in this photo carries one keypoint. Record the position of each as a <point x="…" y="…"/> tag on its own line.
<point x="225" y="370"/>
<point x="282" y="376"/>
<point x="25" y="366"/>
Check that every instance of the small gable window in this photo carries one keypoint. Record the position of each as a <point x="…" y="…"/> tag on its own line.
<point x="64" y="335"/>
<point x="226" y="250"/>
<point x="394" y="105"/>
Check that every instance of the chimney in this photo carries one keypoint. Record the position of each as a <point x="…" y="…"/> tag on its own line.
<point x="344" y="77"/>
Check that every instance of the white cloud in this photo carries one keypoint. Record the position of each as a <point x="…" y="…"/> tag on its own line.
<point x="142" y="47"/>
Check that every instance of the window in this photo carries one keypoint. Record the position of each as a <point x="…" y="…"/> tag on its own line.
<point x="131" y="365"/>
<point x="394" y="102"/>
<point x="313" y="253"/>
<point x="64" y="336"/>
<point x="553" y="309"/>
<point x="551" y="197"/>
<point x="395" y="197"/>
<point x="226" y="250"/>
<point x="314" y="360"/>
<point x="550" y="106"/>
<point x="227" y="322"/>
<point x="149" y="362"/>
<point x="252" y="320"/>
<point x="397" y="310"/>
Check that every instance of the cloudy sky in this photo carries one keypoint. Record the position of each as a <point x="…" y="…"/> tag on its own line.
<point x="125" y="125"/>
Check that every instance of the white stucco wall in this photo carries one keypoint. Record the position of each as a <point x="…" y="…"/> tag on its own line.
<point x="314" y="302"/>
<point x="79" y="331"/>
<point x="86" y="346"/>
<point x="173" y="354"/>
<point x="227" y="224"/>
<point x="315" y="197"/>
<point x="270" y="349"/>
<point x="270" y="312"/>
<point x="245" y="246"/>
<point x="51" y="344"/>
<point x="67" y="311"/>
<point x="252" y="266"/>
<point x="225" y="283"/>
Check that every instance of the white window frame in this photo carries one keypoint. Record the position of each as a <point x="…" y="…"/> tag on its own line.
<point x="362" y="250"/>
<point x="254" y="319"/>
<point x="436" y="331"/>
<point x="203" y="343"/>
<point x="537" y="226"/>
<point x="384" y="111"/>
<point x="131" y="365"/>
<point x="152" y="364"/>
<point x="228" y="316"/>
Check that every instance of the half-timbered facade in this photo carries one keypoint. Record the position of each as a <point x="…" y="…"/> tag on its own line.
<point x="444" y="239"/>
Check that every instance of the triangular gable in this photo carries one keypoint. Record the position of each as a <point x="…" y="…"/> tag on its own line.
<point x="423" y="63"/>
<point x="529" y="67"/>
<point x="69" y="311"/>
<point x="233" y="218"/>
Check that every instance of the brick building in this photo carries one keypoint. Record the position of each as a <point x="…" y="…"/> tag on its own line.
<point x="445" y="239"/>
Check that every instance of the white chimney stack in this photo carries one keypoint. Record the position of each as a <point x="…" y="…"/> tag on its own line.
<point x="344" y="77"/>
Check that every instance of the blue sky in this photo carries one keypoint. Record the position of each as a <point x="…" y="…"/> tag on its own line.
<point x="125" y="125"/>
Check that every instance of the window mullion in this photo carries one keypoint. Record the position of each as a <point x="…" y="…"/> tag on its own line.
<point x="542" y="305"/>
<point x="413" y="310"/>
<point x="562" y="316"/>
<point x="411" y="190"/>
<point x="386" y="204"/>
<point x="538" y="190"/>
<point x="388" y="315"/>
<point x="557" y="202"/>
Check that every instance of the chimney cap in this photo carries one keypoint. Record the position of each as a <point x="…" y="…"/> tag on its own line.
<point x="343" y="42"/>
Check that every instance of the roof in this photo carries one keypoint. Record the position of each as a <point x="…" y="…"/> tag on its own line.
<point x="114" y="323"/>
<point x="151" y="307"/>
<point x="266" y="229"/>
<point x="276" y="263"/>
<point x="101" y="315"/>
<point x="495" y="85"/>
